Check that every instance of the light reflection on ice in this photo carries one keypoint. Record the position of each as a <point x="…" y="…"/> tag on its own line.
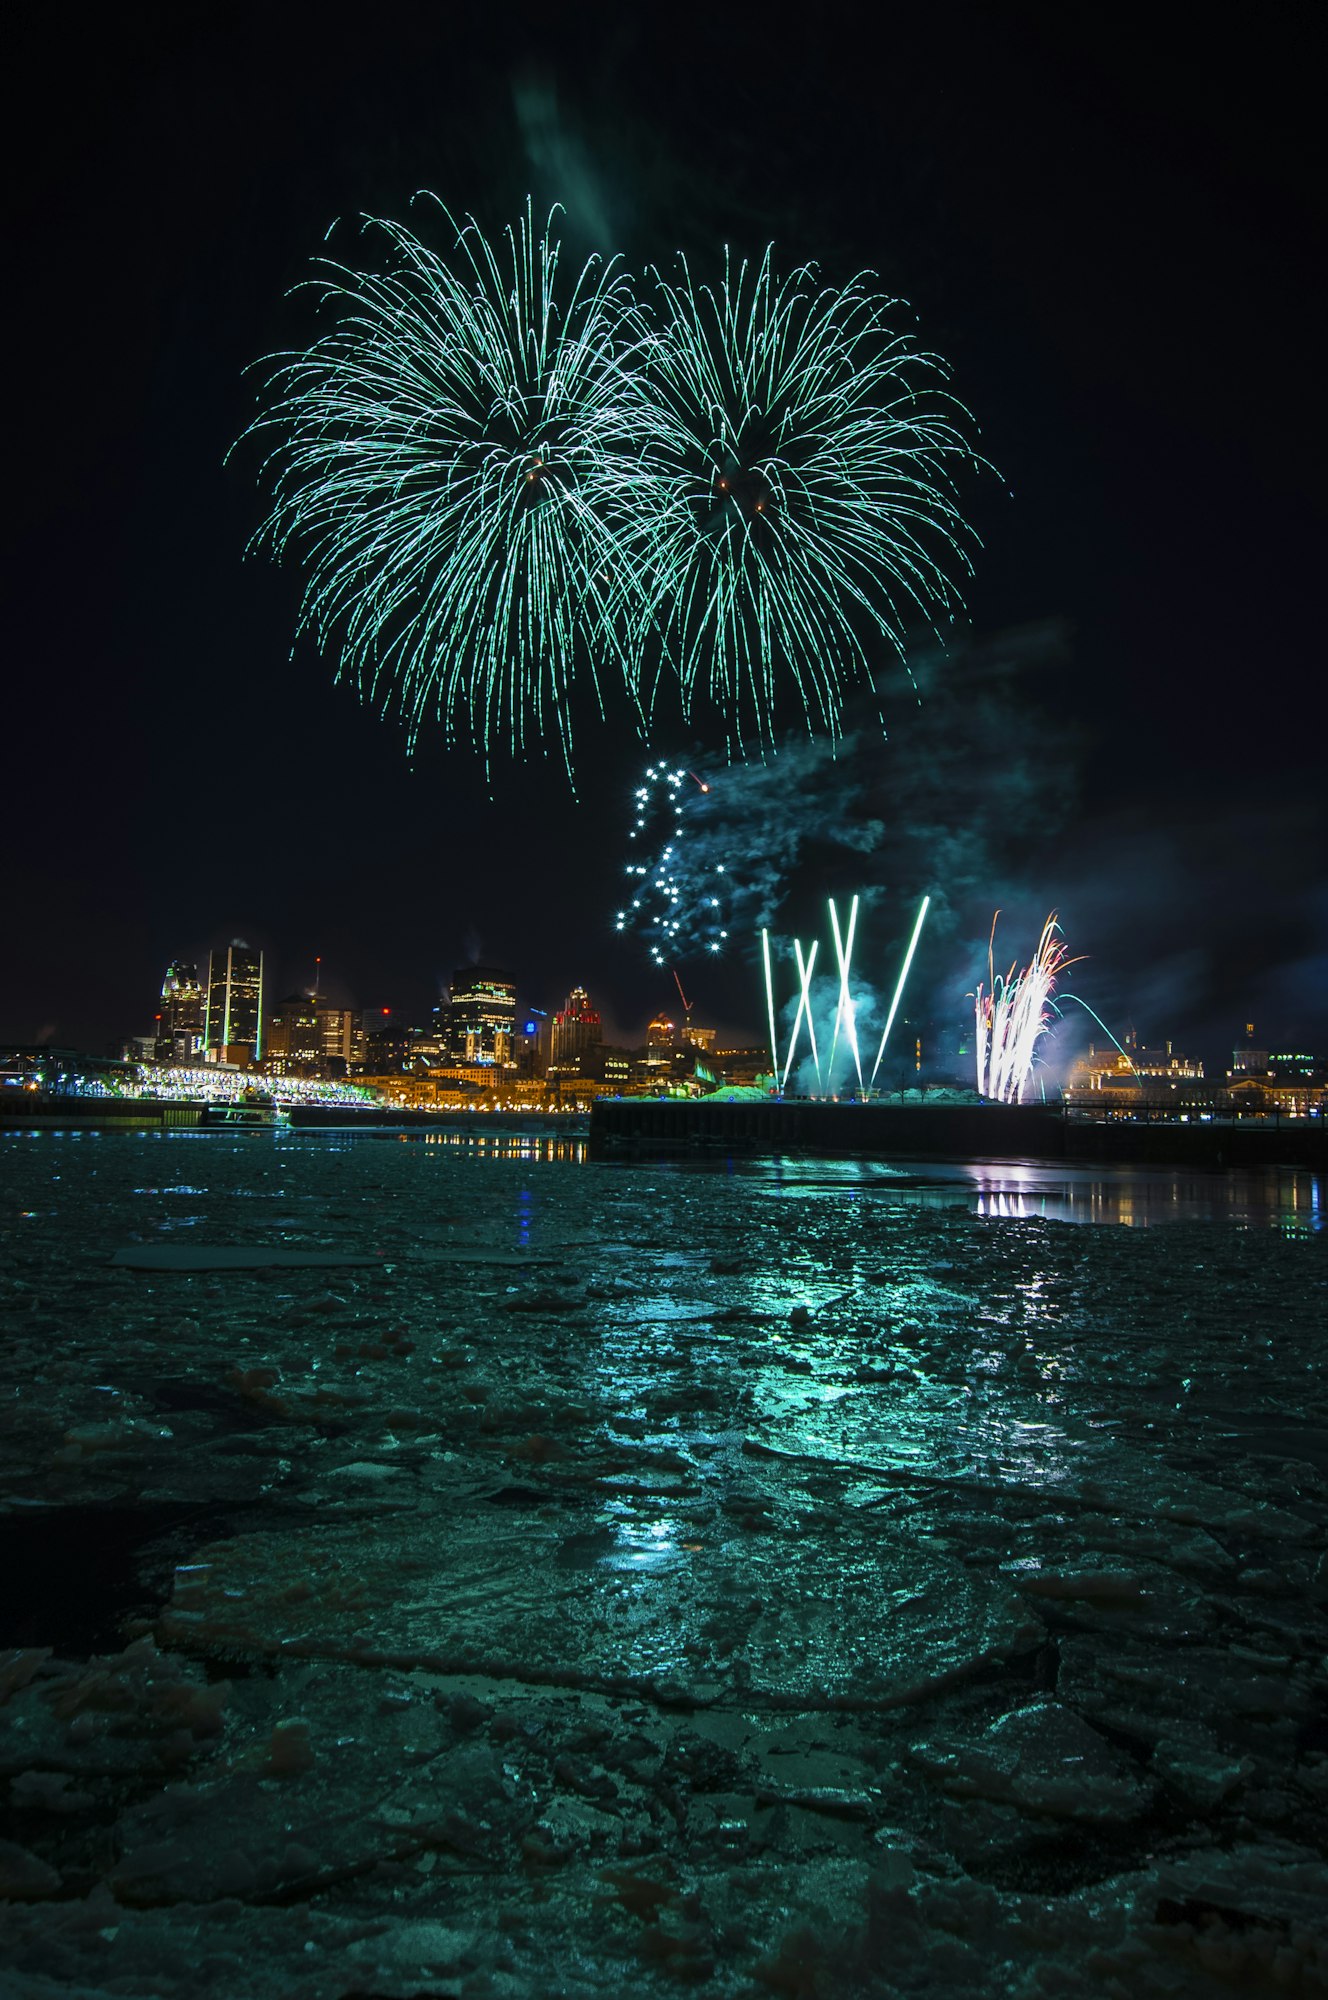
<point x="1289" y="1199"/>
<point x="1035" y="1302"/>
<point x="780" y="1537"/>
<point x="503" y="1145"/>
<point x="642" y="1547"/>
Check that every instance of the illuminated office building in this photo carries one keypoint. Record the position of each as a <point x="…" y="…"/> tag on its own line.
<point x="179" y="1035"/>
<point x="340" y="1038"/>
<point x="233" y="1023"/>
<point x="294" y="1043"/>
<point x="575" y="1037"/>
<point x="477" y="1022"/>
<point x="385" y="1045"/>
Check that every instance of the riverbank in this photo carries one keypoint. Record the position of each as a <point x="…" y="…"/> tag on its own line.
<point x="649" y="1127"/>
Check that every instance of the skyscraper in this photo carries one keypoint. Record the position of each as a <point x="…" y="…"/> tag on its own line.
<point x="577" y="1031"/>
<point x="478" y="1019"/>
<point x="294" y="1040"/>
<point x="180" y="1022"/>
<point x="339" y="1037"/>
<point x="233" y="1027"/>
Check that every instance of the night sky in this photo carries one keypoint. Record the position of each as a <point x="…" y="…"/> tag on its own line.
<point x="1108" y="235"/>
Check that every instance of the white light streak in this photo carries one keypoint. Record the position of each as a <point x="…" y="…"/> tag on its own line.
<point x="899" y="989"/>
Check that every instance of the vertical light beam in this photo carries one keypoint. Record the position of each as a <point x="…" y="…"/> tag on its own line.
<point x="845" y="1010"/>
<point x="811" y="1025"/>
<point x="839" y="1004"/>
<point x="804" y="1007"/>
<point x="770" y="1004"/>
<point x="899" y="989"/>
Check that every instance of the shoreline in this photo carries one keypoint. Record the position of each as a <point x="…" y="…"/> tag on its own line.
<point x="661" y="1126"/>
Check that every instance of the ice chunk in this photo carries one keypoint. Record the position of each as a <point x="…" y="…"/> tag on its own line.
<point x="1043" y="1758"/>
<point x="863" y="1618"/>
<point x="23" y="1876"/>
<point x="230" y="1257"/>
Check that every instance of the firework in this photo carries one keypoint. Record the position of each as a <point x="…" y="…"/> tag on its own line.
<point x="677" y="901"/>
<point x="452" y="463"/>
<point x="1093" y="1015"/>
<point x="1013" y="1013"/>
<point x="770" y="1002"/>
<point x="803" y="504"/>
<point x="845" y="1011"/>
<point x="899" y="989"/>
<point x="496" y="480"/>
<point x="805" y="969"/>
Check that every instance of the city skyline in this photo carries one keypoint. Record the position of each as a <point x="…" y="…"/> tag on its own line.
<point x="325" y="1015"/>
<point x="1073" y="1029"/>
<point x="1066" y="1051"/>
<point x="481" y="1050"/>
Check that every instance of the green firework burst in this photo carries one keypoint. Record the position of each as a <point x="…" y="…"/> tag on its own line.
<point x="805" y="509"/>
<point x="454" y="463"/>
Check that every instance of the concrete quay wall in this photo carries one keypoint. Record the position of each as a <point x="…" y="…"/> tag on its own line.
<point x="944" y="1131"/>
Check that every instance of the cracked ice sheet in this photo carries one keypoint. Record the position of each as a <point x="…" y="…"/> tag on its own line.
<point x="652" y="1603"/>
<point x="779" y="1453"/>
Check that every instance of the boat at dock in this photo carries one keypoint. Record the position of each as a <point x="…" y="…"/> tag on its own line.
<point x="253" y="1112"/>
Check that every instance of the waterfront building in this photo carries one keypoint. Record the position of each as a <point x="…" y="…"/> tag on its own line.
<point x="1247" y="1060"/>
<point x="1291" y="1095"/>
<point x="615" y="1069"/>
<point x="233" y="1020"/>
<point x="480" y="1078"/>
<point x="1287" y="1081"/>
<point x="741" y="1066"/>
<point x="1134" y="1069"/>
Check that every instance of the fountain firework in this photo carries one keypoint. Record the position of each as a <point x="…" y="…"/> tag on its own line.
<point x="1014" y="1012"/>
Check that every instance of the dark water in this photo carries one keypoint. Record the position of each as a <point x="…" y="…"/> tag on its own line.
<point x="1289" y="1199"/>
